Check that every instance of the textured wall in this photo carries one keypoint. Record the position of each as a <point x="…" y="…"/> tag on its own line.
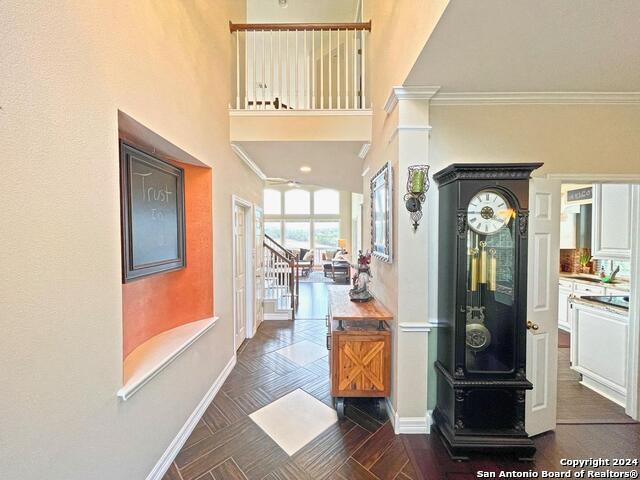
<point x="157" y="303"/>
<point x="67" y="67"/>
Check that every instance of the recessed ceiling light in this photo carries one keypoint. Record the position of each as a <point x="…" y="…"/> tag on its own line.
<point x="305" y="169"/>
<point x="283" y="3"/>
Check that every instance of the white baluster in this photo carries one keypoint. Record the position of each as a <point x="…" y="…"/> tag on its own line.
<point x="321" y="69"/>
<point x="246" y="70"/>
<point x="255" y="62"/>
<point x="264" y="71"/>
<point x="295" y="35"/>
<point x="355" y="70"/>
<point x="364" y="67"/>
<point x="271" y="67"/>
<point x="346" y="69"/>
<point x="338" y="82"/>
<point x="330" y="76"/>
<point x="288" y="72"/>
<point x="279" y="70"/>
<point x="238" y="69"/>
<point x="313" y="69"/>
<point x="305" y="75"/>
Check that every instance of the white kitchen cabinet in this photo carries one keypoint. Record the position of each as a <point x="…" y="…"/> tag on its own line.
<point x="581" y="289"/>
<point x="599" y="350"/>
<point x="611" y="226"/>
<point x="617" y="292"/>
<point x="567" y="230"/>
<point x="564" y="321"/>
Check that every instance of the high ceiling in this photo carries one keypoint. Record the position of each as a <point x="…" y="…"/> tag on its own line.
<point x="533" y="46"/>
<point x="333" y="164"/>
<point x="316" y="11"/>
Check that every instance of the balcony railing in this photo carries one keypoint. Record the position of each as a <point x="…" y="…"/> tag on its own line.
<point x="301" y="66"/>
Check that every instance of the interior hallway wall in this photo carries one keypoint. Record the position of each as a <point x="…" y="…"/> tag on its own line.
<point x="67" y="67"/>
<point x="399" y="32"/>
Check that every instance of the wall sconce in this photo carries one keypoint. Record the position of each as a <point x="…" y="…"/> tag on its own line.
<point x="417" y="187"/>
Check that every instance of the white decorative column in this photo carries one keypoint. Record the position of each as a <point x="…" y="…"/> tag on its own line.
<point x="411" y="340"/>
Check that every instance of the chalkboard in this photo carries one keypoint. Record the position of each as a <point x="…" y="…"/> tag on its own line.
<point x="152" y="214"/>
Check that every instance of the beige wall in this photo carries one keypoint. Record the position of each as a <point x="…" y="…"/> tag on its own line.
<point x="398" y="35"/>
<point x="399" y="32"/>
<point x="280" y="127"/>
<point x="567" y="138"/>
<point x="66" y="70"/>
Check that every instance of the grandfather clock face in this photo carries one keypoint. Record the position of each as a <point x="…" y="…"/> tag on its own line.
<point x="488" y="212"/>
<point x="490" y="293"/>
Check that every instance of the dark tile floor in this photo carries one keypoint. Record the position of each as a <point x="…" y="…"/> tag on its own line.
<point x="431" y="462"/>
<point x="227" y="444"/>
<point x="578" y="404"/>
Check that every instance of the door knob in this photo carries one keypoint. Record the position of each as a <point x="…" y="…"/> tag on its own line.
<point x="532" y="326"/>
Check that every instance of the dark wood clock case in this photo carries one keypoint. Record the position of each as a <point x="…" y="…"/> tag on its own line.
<point x="481" y="389"/>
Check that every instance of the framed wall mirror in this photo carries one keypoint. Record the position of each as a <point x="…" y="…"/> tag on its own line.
<point x="381" y="208"/>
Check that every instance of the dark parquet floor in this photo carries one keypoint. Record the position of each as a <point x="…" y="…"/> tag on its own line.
<point x="431" y="462"/>
<point x="578" y="404"/>
<point x="227" y="444"/>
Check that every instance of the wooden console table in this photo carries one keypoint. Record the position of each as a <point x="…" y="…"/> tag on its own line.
<point x="359" y="342"/>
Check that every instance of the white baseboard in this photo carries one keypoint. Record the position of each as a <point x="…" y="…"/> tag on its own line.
<point x="173" y="449"/>
<point x="409" y="425"/>
<point x="277" y="316"/>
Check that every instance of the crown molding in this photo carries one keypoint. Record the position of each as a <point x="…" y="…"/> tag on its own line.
<point x="593" y="177"/>
<point x="364" y="150"/>
<point x="238" y="150"/>
<point x="343" y="112"/>
<point x="408" y="93"/>
<point x="533" y="98"/>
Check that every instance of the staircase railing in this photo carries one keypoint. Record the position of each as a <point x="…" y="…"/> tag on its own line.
<point x="300" y="66"/>
<point x="281" y="273"/>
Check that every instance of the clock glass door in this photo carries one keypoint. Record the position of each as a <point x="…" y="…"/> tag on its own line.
<point x="490" y="309"/>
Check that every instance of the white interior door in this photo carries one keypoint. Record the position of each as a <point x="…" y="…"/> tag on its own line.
<point x="239" y="273"/>
<point x="542" y="304"/>
<point x="259" y="267"/>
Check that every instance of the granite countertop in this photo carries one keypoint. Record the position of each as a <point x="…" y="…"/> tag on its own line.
<point x="588" y="280"/>
<point x="600" y="306"/>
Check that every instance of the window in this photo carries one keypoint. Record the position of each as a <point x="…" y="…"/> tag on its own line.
<point x="297" y="202"/>
<point x="326" y="202"/>
<point x="273" y="229"/>
<point x="326" y="234"/>
<point x="303" y="218"/>
<point x="272" y="202"/>
<point x="297" y="234"/>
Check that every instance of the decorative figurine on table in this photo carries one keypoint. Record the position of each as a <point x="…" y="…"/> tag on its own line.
<point x="360" y="291"/>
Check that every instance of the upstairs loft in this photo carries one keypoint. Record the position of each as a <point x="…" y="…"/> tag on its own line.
<point x="300" y="82"/>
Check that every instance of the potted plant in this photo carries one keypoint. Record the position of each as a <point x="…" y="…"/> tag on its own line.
<point x="585" y="260"/>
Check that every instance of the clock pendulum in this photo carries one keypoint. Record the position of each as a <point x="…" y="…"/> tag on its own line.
<point x="493" y="267"/>
<point x="483" y="262"/>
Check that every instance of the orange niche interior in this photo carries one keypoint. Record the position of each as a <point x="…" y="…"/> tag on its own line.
<point x="154" y="304"/>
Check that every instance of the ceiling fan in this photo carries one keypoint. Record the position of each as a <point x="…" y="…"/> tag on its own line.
<point x="283" y="181"/>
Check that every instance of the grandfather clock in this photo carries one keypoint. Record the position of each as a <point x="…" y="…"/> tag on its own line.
<point x="482" y="304"/>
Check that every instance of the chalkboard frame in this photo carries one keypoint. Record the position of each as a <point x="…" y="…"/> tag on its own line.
<point x="130" y="269"/>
